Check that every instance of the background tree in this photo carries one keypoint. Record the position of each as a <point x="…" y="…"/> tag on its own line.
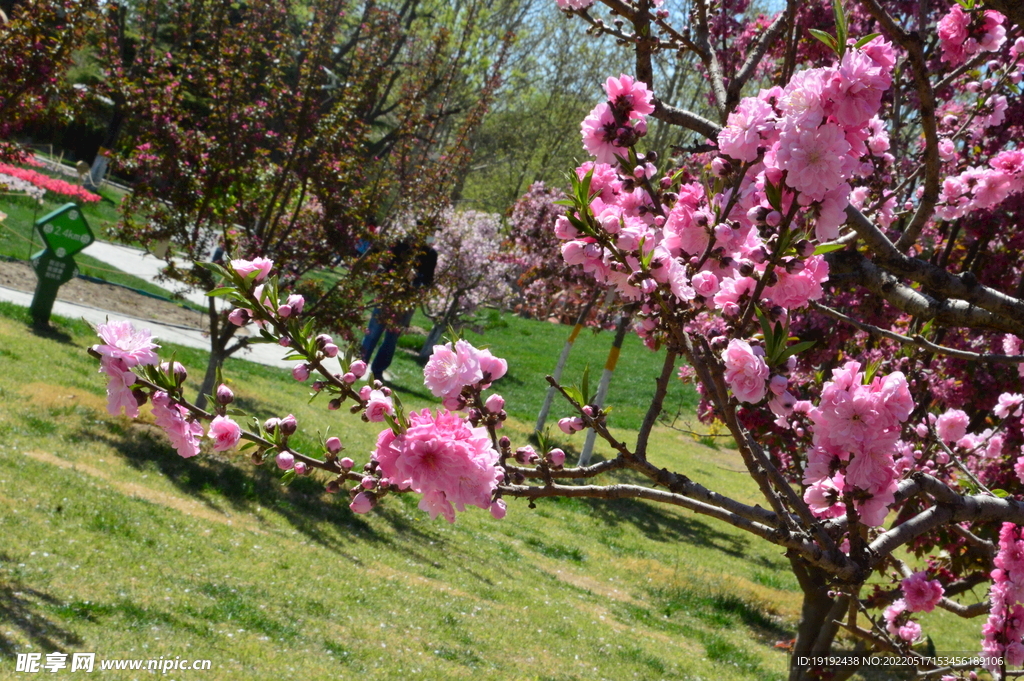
<point x="293" y="147"/>
<point x="38" y="39"/>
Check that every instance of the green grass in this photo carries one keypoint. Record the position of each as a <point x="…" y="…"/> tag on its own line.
<point x="532" y="349"/>
<point x="114" y="544"/>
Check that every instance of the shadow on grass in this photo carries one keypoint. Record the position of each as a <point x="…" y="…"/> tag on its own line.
<point x="664" y="526"/>
<point x="21" y="609"/>
<point x="223" y="485"/>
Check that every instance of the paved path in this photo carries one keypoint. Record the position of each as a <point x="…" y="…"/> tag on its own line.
<point x="141" y="264"/>
<point x="147" y="266"/>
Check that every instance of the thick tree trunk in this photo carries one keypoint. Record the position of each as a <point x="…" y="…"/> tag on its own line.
<point x="816" y="632"/>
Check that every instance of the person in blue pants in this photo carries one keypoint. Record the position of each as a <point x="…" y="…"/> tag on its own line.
<point x="390" y="324"/>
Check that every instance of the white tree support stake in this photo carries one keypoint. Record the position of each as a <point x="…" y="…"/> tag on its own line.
<point x="606" y="378"/>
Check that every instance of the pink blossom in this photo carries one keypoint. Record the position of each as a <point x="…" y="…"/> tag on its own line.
<point x="629" y="96"/>
<point x="443" y="458"/>
<point x="225" y="433"/>
<point x="296" y="302"/>
<point x="920" y="593"/>
<point x="378" y="405"/>
<point x="794" y="290"/>
<point x="741" y="138"/>
<point x="246" y="267"/>
<point x="300" y="372"/>
<point x="183" y="434"/>
<point x="599" y="131"/>
<point x="121" y="341"/>
<point x="498" y="509"/>
<point x="495" y="403"/>
<point x="856" y="89"/>
<point x="813" y="158"/>
<point x="494" y="367"/>
<point x="953" y="33"/>
<point x="952" y="425"/>
<point x="119" y="388"/>
<point x="745" y="372"/>
<point x="705" y="284"/>
<point x="801" y="101"/>
<point x="1009" y="403"/>
<point x="449" y="369"/>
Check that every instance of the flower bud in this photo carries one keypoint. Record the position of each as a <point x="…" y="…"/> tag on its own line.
<point x="300" y="372"/>
<point x="284" y="341"/>
<point x="331" y="350"/>
<point x="556" y="457"/>
<point x="296" y="303"/>
<point x="358" y="368"/>
<point x="362" y="503"/>
<point x="271" y="424"/>
<point x="289" y="425"/>
<point x="323" y="339"/>
<point x="301" y="468"/>
<point x="224" y="394"/>
<point x="334" y="404"/>
<point x="504" y="442"/>
<point x="368" y="482"/>
<point x="240" y="316"/>
<point x="364" y="392"/>
<point x="256" y="458"/>
<point x="333" y="445"/>
<point x="284" y="311"/>
<point x="318" y="386"/>
<point x="588" y="410"/>
<point x="175" y="369"/>
<point x="494" y="403"/>
<point x="285" y="461"/>
<point x="347" y="463"/>
<point x="140" y="396"/>
<point x="333" y="487"/>
<point x="498" y="509"/>
<point x="566" y="425"/>
<point x="349" y="378"/>
<point x="526" y="455"/>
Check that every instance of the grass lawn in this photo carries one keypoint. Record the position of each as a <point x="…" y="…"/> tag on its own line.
<point x="114" y="544"/>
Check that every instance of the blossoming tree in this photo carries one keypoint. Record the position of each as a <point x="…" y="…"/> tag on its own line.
<point x="837" y="261"/>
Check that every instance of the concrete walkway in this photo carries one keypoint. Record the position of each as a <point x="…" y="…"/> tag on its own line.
<point x="141" y="264"/>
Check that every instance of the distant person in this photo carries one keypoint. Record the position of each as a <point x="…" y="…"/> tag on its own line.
<point x="390" y="323"/>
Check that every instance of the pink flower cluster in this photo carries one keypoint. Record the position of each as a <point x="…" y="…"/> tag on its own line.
<point x="920" y="593"/>
<point x="450" y="463"/>
<point x="856" y="430"/>
<point x="815" y="133"/>
<point x="963" y="35"/>
<point x="451" y="368"/>
<point x="172" y="418"/>
<point x="123" y="348"/>
<point x="899" y="624"/>
<point x="49" y="184"/>
<point x="619" y="122"/>
<point x="745" y="371"/>
<point x="1003" y="633"/>
<point x="980" y="188"/>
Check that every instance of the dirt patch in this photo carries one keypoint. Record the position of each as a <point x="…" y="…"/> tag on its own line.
<point x="20" y="276"/>
<point x="53" y="396"/>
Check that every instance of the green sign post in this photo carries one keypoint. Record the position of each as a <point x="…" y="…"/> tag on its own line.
<point x="65" y="232"/>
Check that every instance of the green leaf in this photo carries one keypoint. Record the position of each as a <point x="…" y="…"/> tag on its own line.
<point x="585" y="384"/>
<point x="247" y="446"/>
<point x="1001" y="493"/>
<point x="796" y="349"/>
<point x="841" y="29"/>
<point x="288" y="476"/>
<point x="234" y="411"/>
<point x="222" y="291"/>
<point x="215" y="268"/>
<point x="773" y="193"/>
<point x="574" y="394"/>
<point x="828" y="40"/>
<point x="866" y="39"/>
<point x="828" y="248"/>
